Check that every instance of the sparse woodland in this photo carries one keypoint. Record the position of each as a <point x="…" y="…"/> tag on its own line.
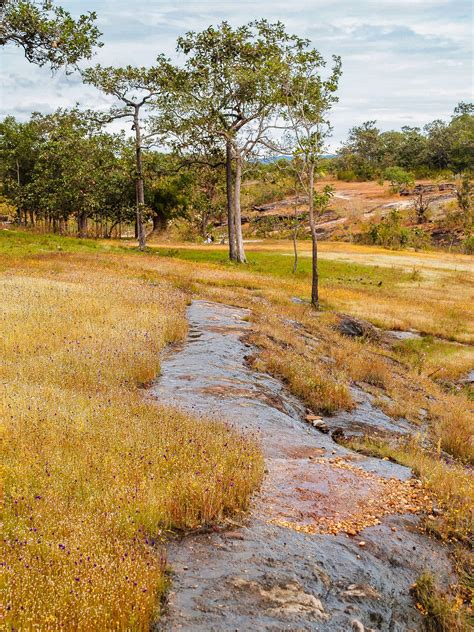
<point x="108" y="237"/>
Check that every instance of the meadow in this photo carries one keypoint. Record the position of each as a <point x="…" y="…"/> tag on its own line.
<point x="96" y="476"/>
<point x="86" y="452"/>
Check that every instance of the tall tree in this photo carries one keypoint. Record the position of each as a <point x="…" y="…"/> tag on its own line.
<point x="231" y="90"/>
<point x="47" y="33"/>
<point x="135" y="89"/>
<point x="309" y="97"/>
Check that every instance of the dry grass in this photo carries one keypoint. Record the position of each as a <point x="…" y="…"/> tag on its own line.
<point x="319" y="365"/>
<point x="441" y="611"/>
<point x="452" y="426"/>
<point x="425" y="291"/>
<point x="95" y="476"/>
<point x="298" y="362"/>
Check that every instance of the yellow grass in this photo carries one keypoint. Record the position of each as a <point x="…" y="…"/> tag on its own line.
<point x="296" y="343"/>
<point x="437" y="299"/>
<point x="95" y="475"/>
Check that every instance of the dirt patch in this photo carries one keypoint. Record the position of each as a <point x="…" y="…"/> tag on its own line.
<point x="335" y="496"/>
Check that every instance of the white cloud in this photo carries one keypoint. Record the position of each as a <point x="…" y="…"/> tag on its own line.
<point x="403" y="60"/>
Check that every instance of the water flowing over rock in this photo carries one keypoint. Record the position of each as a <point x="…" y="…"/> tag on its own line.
<point x="282" y="568"/>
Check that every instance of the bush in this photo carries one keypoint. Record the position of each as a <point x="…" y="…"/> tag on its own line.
<point x="398" y="178"/>
<point x="391" y="234"/>
<point x="468" y="245"/>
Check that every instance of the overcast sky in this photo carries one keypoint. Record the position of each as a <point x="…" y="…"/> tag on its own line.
<point x="405" y="62"/>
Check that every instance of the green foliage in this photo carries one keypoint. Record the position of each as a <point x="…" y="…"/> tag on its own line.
<point x="47" y="33"/>
<point x="231" y="79"/>
<point x="390" y="233"/>
<point x="131" y="86"/>
<point x="465" y="199"/>
<point x="60" y="166"/>
<point x="333" y="273"/>
<point x="438" y="147"/>
<point x="398" y="178"/>
<point x="467" y="245"/>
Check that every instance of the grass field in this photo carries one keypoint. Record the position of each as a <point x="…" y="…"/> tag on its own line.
<point x="72" y="376"/>
<point x="95" y="476"/>
<point x="423" y="291"/>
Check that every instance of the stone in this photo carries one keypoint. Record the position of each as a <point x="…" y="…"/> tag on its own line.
<point x="288" y="599"/>
<point x="321" y="426"/>
<point x="356" y="327"/>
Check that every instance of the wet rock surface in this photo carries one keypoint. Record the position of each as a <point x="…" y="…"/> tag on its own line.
<point x="262" y="575"/>
<point x="367" y="419"/>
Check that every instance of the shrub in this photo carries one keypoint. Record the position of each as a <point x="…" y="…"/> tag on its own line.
<point x="390" y="233"/>
<point x="398" y="178"/>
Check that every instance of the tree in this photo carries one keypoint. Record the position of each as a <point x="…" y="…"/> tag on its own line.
<point x="229" y="98"/>
<point x="207" y="197"/>
<point x="461" y="129"/>
<point x="135" y="89"/>
<point x="19" y="145"/>
<point x="47" y="33"/>
<point x="309" y="98"/>
<point x="421" y="204"/>
<point x="168" y="192"/>
<point x="363" y="151"/>
<point x="465" y="199"/>
<point x="438" y="144"/>
<point x="398" y="178"/>
<point x="60" y="166"/>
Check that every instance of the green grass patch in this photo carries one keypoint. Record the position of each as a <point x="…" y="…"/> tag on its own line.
<point x="332" y="273"/>
<point x="17" y="243"/>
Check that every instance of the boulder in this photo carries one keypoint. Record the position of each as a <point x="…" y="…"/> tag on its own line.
<point x="356" y="327"/>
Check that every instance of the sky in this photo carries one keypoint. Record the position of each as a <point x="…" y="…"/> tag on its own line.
<point x="405" y="62"/>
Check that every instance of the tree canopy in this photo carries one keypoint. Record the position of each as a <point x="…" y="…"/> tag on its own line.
<point x="47" y="33"/>
<point x="439" y="145"/>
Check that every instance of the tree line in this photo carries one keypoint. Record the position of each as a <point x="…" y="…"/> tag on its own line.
<point x="240" y="94"/>
<point x="438" y="147"/>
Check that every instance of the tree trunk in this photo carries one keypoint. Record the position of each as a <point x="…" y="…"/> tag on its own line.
<point x="230" y="203"/>
<point x="295" y="250"/>
<point x="239" y="242"/>
<point x="314" y="239"/>
<point x="109" y="231"/>
<point x="159" y="222"/>
<point x="82" y="224"/>
<point x="295" y="235"/>
<point x="140" y="189"/>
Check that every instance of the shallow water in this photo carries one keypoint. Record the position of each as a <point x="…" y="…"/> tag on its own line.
<point x="263" y="576"/>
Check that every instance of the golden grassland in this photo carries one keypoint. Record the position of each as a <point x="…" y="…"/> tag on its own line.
<point x="425" y="291"/>
<point x="301" y="346"/>
<point x="95" y="476"/>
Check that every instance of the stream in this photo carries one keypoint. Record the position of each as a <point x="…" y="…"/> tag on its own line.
<point x="283" y="568"/>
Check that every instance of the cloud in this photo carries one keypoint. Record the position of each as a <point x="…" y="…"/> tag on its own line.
<point x="404" y="61"/>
